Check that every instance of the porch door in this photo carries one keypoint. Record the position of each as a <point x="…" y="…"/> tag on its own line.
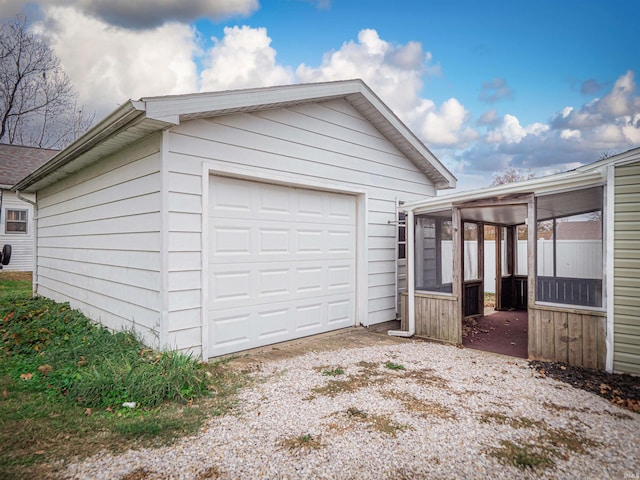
<point x="504" y="267"/>
<point x="473" y="268"/>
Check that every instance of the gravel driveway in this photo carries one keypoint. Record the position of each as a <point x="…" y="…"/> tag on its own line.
<point x="405" y="410"/>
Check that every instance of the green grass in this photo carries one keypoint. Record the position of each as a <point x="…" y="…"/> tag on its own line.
<point x="63" y="380"/>
<point x="394" y="366"/>
<point x="14" y="288"/>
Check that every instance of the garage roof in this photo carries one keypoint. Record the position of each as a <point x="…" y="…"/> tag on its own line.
<point x="135" y="119"/>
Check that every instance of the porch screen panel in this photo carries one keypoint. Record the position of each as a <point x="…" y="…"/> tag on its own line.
<point x="570" y="260"/>
<point x="434" y="254"/>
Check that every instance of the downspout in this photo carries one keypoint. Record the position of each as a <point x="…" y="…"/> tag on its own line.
<point x="34" y="273"/>
<point x="409" y="228"/>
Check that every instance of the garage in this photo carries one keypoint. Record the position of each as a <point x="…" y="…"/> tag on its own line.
<point x="212" y="223"/>
<point x="282" y="263"/>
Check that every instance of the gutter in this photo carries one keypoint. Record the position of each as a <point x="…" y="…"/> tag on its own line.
<point x="411" y="287"/>
<point x="118" y="120"/>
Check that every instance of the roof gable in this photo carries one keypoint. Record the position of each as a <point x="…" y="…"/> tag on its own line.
<point x="136" y="119"/>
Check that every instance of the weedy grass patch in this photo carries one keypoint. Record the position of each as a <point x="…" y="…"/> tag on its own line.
<point x="522" y="457"/>
<point x="394" y="366"/>
<point x="305" y="441"/>
<point x="64" y="380"/>
<point x="543" y="446"/>
<point x="380" y="423"/>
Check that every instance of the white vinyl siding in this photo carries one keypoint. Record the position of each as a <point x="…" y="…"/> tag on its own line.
<point x="21" y="243"/>
<point x="184" y="255"/>
<point x="327" y="143"/>
<point x="626" y="356"/>
<point x="99" y="240"/>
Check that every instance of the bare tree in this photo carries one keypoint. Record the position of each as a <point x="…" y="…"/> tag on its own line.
<point x="37" y="100"/>
<point x="511" y="175"/>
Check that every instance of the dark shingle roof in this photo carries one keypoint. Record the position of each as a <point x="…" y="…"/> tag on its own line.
<point x="16" y="162"/>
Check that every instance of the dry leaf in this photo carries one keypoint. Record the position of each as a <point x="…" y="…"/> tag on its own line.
<point x="4" y="393"/>
<point x="87" y="412"/>
<point x="45" y="369"/>
<point x="82" y="362"/>
<point x="26" y="376"/>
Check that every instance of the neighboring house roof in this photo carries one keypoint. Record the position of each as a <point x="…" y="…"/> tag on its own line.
<point x="136" y="119"/>
<point x="579" y="230"/>
<point x="16" y="162"/>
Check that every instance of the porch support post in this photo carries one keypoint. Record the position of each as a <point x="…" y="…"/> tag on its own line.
<point x="458" y="274"/>
<point x="531" y="250"/>
<point x="411" y="284"/>
<point x="609" y="272"/>
<point x="498" y="265"/>
<point x="480" y="267"/>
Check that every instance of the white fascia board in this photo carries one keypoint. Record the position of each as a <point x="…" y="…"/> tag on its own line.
<point x="539" y="186"/>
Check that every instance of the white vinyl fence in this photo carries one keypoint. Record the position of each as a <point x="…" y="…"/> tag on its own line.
<point x="576" y="258"/>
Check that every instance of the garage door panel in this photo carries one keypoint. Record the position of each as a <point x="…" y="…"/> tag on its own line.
<point x="279" y="241"/>
<point x="255" y="284"/>
<point x="247" y="327"/>
<point x="231" y="240"/>
<point x="234" y="198"/>
<point x="282" y="263"/>
<point x="339" y="312"/>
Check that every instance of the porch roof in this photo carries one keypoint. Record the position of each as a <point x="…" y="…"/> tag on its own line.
<point x="562" y="194"/>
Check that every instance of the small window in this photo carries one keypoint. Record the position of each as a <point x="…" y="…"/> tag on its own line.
<point x="16" y="221"/>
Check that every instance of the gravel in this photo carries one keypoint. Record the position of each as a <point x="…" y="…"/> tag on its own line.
<point x="450" y="413"/>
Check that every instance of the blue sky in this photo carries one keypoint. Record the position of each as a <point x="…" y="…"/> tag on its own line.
<point x="543" y="84"/>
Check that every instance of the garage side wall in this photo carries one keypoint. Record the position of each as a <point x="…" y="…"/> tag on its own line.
<point x="99" y="240"/>
<point x="626" y="356"/>
<point x="327" y="143"/>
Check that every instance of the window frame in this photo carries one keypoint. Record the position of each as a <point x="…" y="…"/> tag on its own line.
<point x="24" y="222"/>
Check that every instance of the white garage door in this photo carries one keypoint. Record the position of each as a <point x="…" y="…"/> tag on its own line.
<point x="282" y="263"/>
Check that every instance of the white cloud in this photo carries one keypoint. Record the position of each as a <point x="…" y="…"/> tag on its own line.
<point x="510" y="131"/>
<point x="444" y="126"/>
<point x="568" y="134"/>
<point x="620" y="100"/>
<point x="243" y="58"/>
<point x="140" y="14"/>
<point x="396" y="73"/>
<point x="108" y="65"/>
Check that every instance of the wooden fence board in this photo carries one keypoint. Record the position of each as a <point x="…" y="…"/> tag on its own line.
<point x="574" y="322"/>
<point x="561" y="337"/>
